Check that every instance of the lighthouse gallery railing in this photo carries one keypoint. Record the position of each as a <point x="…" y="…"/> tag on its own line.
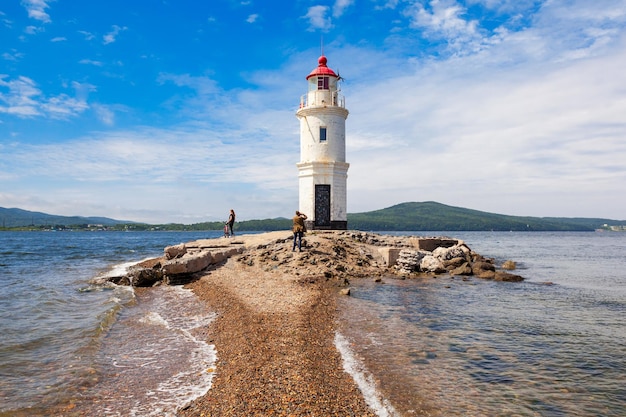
<point x="322" y="98"/>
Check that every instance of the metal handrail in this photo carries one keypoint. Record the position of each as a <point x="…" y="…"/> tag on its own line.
<point x="337" y="100"/>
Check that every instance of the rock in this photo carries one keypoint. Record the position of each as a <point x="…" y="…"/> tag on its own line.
<point x="175" y="251"/>
<point x="429" y="263"/>
<point x="188" y="263"/>
<point x="447" y="253"/>
<point x="344" y="291"/>
<point x="464" y="269"/>
<point x="329" y="255"/>
<point x="454" y="263"/>
<point x="144" y="277"/>
<point x="486" y="274"/>
<point x="509" y="265"/>
<point x="507" y="277"/>
<point x="409" y="260"/>
<point x="480" y="267"/>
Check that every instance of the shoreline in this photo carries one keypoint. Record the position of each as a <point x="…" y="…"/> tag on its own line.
<point x="273" y="360"/>
<point x="275" y="334"/>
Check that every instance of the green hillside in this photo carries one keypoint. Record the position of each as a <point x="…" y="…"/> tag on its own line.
<point x="424" y="216"/>
<point x="14" y="217"/>
<point x="436" y="216"/>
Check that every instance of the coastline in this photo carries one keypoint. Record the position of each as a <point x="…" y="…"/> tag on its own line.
<point x="277" y="320"/>
<point x="274" y="336"/>
<point x="274" y="359"/>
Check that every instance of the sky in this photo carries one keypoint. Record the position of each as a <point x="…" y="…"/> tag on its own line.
<point x="165" y="111"/>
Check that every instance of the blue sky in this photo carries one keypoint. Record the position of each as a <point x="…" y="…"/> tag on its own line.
<point x="178" y="110"/>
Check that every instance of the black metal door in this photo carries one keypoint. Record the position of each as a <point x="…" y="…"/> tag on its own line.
<point x="322" y="205"/>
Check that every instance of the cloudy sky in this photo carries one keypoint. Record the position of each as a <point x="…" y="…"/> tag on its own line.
<point x="178" y="110"/>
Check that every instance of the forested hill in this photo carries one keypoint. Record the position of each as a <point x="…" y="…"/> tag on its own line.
<point x="436" y="216"/>
<point x="424" y="216"/>
<point x="15" y="217"/>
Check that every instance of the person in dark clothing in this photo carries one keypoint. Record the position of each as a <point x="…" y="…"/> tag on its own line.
<point x="298" y="230"/>
<point x="230" y="223"/>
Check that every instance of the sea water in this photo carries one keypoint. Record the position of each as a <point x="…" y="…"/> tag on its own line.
<point x="554" y="345"/>
<point x="68" y="346"/>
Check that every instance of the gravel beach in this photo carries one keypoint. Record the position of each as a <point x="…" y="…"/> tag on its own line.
<point x="275" y="331"/>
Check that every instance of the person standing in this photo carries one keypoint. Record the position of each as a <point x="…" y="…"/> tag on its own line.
<point x="298" y="230"/>
<point x="230" y="223"/>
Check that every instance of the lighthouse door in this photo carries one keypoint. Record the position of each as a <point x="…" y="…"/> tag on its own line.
<point x="322" y="205"/>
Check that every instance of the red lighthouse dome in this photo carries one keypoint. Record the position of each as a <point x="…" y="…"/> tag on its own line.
<point x="322" y="69"/>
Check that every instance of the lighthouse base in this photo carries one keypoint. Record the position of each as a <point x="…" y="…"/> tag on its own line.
<point x="333" y="225"/>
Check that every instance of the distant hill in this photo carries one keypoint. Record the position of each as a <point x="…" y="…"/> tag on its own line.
<point x="422" y="216"/>
<point x="14" y="217"/>
<point x="425" y="216"/>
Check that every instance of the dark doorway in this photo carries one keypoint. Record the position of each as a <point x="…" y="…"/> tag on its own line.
<point x="322" y="205"/>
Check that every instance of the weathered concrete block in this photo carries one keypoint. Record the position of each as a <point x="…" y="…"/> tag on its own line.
<point x="390" y="255"/>
<point x="431" y="243"/>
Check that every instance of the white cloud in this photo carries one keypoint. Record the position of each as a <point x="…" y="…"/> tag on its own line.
<point x="13" y="55"/>
<point x="33" y="30"/>
<point x="88" y="35"/>
<point x="529" y="137"/>
<point x="252" y="18"/>
<point x="58" y="39"/>
<point x="340" y="7"/>
<point x="25" y="100"/>
<point x="112" y="35"/>
<point x="91" y="62"/>
<point x="104" y="114"/>
<point x="21" y="97"/>
<point x="63" y="106"/>
<point x="37" y="9"/>
<point x="318" y="19"/>
<point x="444" y="20"/>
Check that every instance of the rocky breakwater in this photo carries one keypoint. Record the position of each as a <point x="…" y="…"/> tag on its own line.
<point x="336" y="255"/>
<point x="179" y="263"/>
<point x="440" y="255"/>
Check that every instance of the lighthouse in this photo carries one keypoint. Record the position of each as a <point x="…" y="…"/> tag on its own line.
<point x="323" y="170"/>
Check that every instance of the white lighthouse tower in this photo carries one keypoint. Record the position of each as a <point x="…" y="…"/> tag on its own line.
<point x="322" y="170"/>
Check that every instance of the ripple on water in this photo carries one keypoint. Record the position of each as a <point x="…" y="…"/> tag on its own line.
<point x="455" y="348"/>
<point x="155" y="358"/>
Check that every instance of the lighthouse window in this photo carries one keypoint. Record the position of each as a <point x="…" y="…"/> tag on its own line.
<point x="322" y="134"/>
<point x="322" y="83"/>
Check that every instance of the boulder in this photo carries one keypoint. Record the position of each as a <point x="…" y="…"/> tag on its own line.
<point x="480" y="267"/>
<point x="464" y="269"/>
<point x="454" y="263"/>
<point x="447" y="253"/>
<point x="409" y="260"/>
<point x="486" y="275"/>
<point x="509" y="265"/>
<point x="507" y="277"/>
<point x="143" y="277"/>
<point x="188" y="263"/>
<point x="429" y="263"/>
<point x="175" y="251"/>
